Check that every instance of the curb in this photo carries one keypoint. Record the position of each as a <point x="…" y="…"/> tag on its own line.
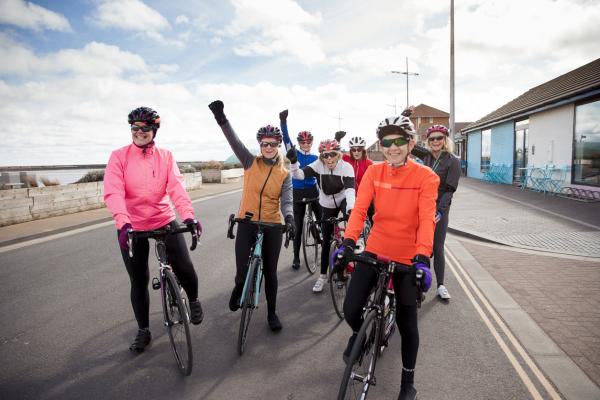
<point x="490" y="239"/>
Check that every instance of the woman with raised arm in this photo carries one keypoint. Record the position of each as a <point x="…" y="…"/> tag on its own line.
<point x="335" y="178"/>
<point x="302" y="188"/>
<point x="140" y="182"/>
<point x="267" y="190"/>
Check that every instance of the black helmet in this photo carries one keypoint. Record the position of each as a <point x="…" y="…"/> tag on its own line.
<point x="269" y="131"/>
<point x="145" y="114"/>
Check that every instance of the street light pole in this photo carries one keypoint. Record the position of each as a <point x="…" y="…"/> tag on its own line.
<point x="452" y="111"/>
<point x="407" y="73"/>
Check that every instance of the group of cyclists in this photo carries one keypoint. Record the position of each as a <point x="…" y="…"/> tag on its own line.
<point x="407" y="198"/>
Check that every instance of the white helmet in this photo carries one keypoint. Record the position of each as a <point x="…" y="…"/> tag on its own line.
<point x="398" y="125"/>
<point x="357" y="141"/>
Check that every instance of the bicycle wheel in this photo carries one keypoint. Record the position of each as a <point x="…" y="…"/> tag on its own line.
<point x="359" y="374"/>
<point x="310" y="244"/>
<point x="177" y="319"/>
<point x="248" y="305"/>
<point x="338" y="286"/>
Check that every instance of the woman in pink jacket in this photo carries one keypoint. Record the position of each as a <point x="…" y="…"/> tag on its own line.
<point x="139" y="181"/>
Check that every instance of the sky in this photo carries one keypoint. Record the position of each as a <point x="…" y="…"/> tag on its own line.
<point x="71" y="70"/>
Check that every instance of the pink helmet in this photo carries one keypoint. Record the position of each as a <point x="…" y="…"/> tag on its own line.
<point x="329" y="145"/>
<point x="437" y="128"/>
<point x="305" y="136"/>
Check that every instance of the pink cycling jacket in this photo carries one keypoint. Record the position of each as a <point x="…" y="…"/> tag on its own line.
<point x="138" y="185"/>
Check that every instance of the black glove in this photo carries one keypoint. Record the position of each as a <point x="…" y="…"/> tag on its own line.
<point x="339" y="135"/>
<point x="408" y="111"/>
<point x="348" y="214"/>
<point x="292" y="155"/>
<point x="342" y="255"/>
<point x="217" y="109"/>
<point x="290" y="227"/>
<point x="283" y="115"/>
<point x="420" y="151"/>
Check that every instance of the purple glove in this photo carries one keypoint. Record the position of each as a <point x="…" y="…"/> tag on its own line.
<point x="421" y="262"/>
<point x="341" y="255"/>
<point x="193" y="224"/>
<point x="123" y="237"/>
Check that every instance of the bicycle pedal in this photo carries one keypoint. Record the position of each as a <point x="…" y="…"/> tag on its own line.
<point x="155" y="283"/>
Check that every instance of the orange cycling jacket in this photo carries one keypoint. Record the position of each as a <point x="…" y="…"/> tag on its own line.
<point x="404" y="220"/>
<point x="138" y="184"/>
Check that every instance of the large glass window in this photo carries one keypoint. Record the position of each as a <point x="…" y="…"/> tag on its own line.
<point x="486" y="149"/>
<point x="586" y="156"/>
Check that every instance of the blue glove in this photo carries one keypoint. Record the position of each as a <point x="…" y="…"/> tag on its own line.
<point x="341" y="256"/>
<point x="124" y="237"/>
<point x="438" y="216"/>
<point x="192" y="224"/>
<point x="421" y="262"/>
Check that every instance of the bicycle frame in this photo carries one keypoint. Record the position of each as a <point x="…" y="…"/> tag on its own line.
<point x="256" y="253"/>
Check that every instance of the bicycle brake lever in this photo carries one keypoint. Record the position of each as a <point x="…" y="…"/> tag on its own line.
<point x="194" y="240"/>
<point x="130" y="242"/>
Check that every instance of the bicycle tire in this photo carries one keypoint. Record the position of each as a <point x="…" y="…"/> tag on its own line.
<point x="338" y="286"/>
<point x="248" y="306"/>
<point x="177" y="319"/>
<point x="310" y="244"/>
<point x="359" y="373"/>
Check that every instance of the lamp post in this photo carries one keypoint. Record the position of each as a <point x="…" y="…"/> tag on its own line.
<point x="407" y="73"/>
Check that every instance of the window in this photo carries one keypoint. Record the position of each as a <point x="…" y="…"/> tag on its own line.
<point x="586" y="153"/>
<point x="486" y="149"/>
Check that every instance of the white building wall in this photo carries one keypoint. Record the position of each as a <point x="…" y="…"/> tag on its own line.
<point x="551" y="132"/>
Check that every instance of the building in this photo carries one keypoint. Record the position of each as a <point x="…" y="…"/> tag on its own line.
<point x="553" y="125"/>
<point x="422" y="117"/>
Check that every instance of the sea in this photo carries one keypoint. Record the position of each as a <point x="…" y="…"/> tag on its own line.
<point x="63" y="176"/>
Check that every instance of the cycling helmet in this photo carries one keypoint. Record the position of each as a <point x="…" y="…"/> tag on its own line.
<point x="305" y="136"/>
<point x="357" y="141"/>
<point x="144" y="114"/>
<point x="269" y="132"/>
<point x="329" y="145"/>
<point x="396" y="125"/>
<point x="437" y="128"/>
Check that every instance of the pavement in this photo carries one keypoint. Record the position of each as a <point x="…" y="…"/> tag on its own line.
<point x="535" y="257"/>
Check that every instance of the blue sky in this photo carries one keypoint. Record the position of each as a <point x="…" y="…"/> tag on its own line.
<point x="72" y="70"/>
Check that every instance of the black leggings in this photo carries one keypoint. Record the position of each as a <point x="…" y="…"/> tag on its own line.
<point x="139" y="273"/>
<point x="439" y="238"/>
<point x="244" y="242"/>
<point x="300" y="211"/>
<point x="327" y="230"/>
<point x="364" y="279"/>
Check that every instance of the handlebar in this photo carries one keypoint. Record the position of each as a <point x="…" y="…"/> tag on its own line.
<point x="161" y="233"/>
<point x="233" y="220"/>
<point x="332" y="220"/>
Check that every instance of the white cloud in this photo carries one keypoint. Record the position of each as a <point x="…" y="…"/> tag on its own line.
<point x="95" y="58"/>
<point x="182" y="20"/>
<point x="272" y="27"/>
<point x="31" y="16"/>
<point x="136" y="16"/>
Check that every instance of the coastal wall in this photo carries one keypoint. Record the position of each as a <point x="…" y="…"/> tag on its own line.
<point x="22" y="205"/>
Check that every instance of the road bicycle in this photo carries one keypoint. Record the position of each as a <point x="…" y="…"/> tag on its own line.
<point x="176" y="313"/>
<point x="251" y="292"/>
<point x="377" y="327"/>
<point x="311" y="237"/>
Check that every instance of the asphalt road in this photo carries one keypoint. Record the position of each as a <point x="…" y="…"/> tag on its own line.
<point x="67" y="325"/>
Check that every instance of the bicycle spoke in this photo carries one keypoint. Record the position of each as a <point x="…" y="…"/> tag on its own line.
<point x="177" y="323"/>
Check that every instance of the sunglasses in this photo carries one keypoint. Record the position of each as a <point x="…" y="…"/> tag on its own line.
<point x="305" y="141"/>
<point x="435" y="138"/>
<point x="389" y="142"/>
<point x="330" y="154"/>
<point x="269" y="144"/>
<point x="356" y="149"/>
<point x="145" y="128"/>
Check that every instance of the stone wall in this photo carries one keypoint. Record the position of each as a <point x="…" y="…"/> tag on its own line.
<point x="22" y="205"/>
